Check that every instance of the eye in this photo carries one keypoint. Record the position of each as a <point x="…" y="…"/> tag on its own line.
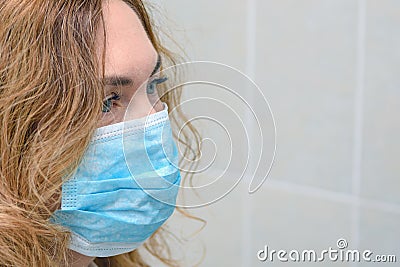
<point x="108" y="102"/>
<point x="151" y="86"/>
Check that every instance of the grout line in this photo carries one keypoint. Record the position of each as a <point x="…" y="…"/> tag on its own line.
<point x="358" y="101"/>
<point x="345" y="198"/>
<point x="251" y="24"/>
<point x="311" y="191"/>
<point x="358" y="124"/>
<point x="381" y="206"/>
<point x="247" y="212"/>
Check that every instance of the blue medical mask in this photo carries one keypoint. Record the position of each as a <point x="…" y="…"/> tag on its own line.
<point x="124" y="189"/>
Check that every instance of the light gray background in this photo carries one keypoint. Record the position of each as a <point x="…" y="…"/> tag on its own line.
<point x="331" y="72"/>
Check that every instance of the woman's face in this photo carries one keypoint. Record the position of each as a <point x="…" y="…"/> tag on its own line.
<point x="130" y="59"/>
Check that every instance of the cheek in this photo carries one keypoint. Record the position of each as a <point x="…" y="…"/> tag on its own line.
<point x="141" y="105"/>
<point x="114" y="116"/>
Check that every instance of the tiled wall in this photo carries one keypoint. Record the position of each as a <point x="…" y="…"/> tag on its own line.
<point x="330" y="70"/>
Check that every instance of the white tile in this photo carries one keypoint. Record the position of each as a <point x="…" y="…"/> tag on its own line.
<point x="214" y="31"/>
<point x="380" y="234"/>
<point x="381" y="146"/>
<point x="209" y="30"/>
<point x="292" y="221"/>
<point x="221" y="237"/>
<point x="306" y="66"/>
<point x="220" y="113"/>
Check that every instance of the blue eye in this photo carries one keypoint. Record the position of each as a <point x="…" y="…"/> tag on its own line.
<point x="107" y="104"/>
<point x="151" y="86"/>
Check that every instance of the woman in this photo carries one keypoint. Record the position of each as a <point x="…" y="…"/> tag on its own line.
<point x="68" y="71"/>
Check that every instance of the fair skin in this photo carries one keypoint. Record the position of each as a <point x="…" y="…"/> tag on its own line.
<point x="130" y="61"/>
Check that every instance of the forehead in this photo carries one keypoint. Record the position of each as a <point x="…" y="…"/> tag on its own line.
<point x="128" y="49"/>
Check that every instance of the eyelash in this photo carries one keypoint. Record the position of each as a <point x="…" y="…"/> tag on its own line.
<point x="107" y="104"/>
<point x="151" y="86"/>
<point x="150" y="89"/>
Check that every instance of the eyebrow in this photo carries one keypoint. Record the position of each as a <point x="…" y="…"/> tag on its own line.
<point x="127" y="81"/>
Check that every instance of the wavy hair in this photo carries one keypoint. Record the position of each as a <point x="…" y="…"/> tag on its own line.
<point x="51" y="95"/>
